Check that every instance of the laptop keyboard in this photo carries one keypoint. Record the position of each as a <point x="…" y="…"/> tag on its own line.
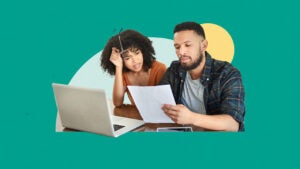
<point x="117" y="127"/>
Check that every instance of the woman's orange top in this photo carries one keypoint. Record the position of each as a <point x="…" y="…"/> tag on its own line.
<point x="156" y="73"/>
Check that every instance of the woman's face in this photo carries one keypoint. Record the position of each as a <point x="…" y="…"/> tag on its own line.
<point x="133" y="59"/>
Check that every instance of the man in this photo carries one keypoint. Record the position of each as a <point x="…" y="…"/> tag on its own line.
<point x="209" y="93"/>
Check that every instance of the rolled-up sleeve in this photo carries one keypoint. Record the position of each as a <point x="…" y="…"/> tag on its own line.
<point x="232" y="97"/>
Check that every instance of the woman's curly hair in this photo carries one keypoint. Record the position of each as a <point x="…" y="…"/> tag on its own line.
<point x="130" y="40"/>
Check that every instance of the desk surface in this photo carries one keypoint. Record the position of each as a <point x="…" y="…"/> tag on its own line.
<point x="130" y="112"/>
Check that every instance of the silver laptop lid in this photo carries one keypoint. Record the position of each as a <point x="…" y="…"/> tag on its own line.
<point x="83" y="109"/>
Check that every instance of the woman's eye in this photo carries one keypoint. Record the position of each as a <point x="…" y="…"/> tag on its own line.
<point x="126" y="58"/>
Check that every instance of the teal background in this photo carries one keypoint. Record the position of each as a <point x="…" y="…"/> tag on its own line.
<point x="47" y="41"/>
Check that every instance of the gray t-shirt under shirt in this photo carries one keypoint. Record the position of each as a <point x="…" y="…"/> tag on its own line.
<point x="192" y="95"/>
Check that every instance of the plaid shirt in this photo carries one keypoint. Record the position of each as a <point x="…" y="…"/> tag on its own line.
<point x="223" y="88"/>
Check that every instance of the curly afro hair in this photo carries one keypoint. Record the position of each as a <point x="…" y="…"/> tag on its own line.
<point x="130" y="40"/>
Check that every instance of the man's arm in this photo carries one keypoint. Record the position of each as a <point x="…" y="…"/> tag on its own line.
<point x="182" y="115"/>
<point x="232" y="98"/>
<point x="222" y="122"/>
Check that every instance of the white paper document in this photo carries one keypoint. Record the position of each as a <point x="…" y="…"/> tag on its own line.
<point x="149" y="101"/>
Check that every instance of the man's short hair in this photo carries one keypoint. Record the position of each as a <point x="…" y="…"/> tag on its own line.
<point x="190" y="26"/>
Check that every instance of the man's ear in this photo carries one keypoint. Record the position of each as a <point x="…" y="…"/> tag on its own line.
<point x="204" y="44"/>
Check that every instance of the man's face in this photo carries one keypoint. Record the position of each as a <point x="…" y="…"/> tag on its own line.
<point x="188" y="48"/>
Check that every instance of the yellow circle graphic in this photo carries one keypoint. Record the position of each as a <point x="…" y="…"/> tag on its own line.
<point x="220" y="43"/>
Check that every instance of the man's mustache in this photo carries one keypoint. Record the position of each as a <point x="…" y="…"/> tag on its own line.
<point x="184" y="56"/>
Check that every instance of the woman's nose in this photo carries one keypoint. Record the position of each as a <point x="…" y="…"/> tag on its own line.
<point x="134" y="59"/>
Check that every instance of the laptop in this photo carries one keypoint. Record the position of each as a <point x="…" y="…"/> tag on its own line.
<point x="89" y="110"/>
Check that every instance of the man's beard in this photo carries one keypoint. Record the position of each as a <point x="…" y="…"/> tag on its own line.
<point x="193" y="65"/>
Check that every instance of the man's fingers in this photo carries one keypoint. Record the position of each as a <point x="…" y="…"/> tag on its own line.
<point x="171" y="112"/>
<point x="173" y="108"/>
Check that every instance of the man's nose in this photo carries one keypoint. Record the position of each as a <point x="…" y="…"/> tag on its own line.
<point x="182" y="51"/>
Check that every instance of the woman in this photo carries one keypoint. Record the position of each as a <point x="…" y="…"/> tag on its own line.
<point x="129" y="56"/>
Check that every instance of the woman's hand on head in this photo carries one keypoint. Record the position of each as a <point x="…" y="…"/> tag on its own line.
<point x="116" y="58"/>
